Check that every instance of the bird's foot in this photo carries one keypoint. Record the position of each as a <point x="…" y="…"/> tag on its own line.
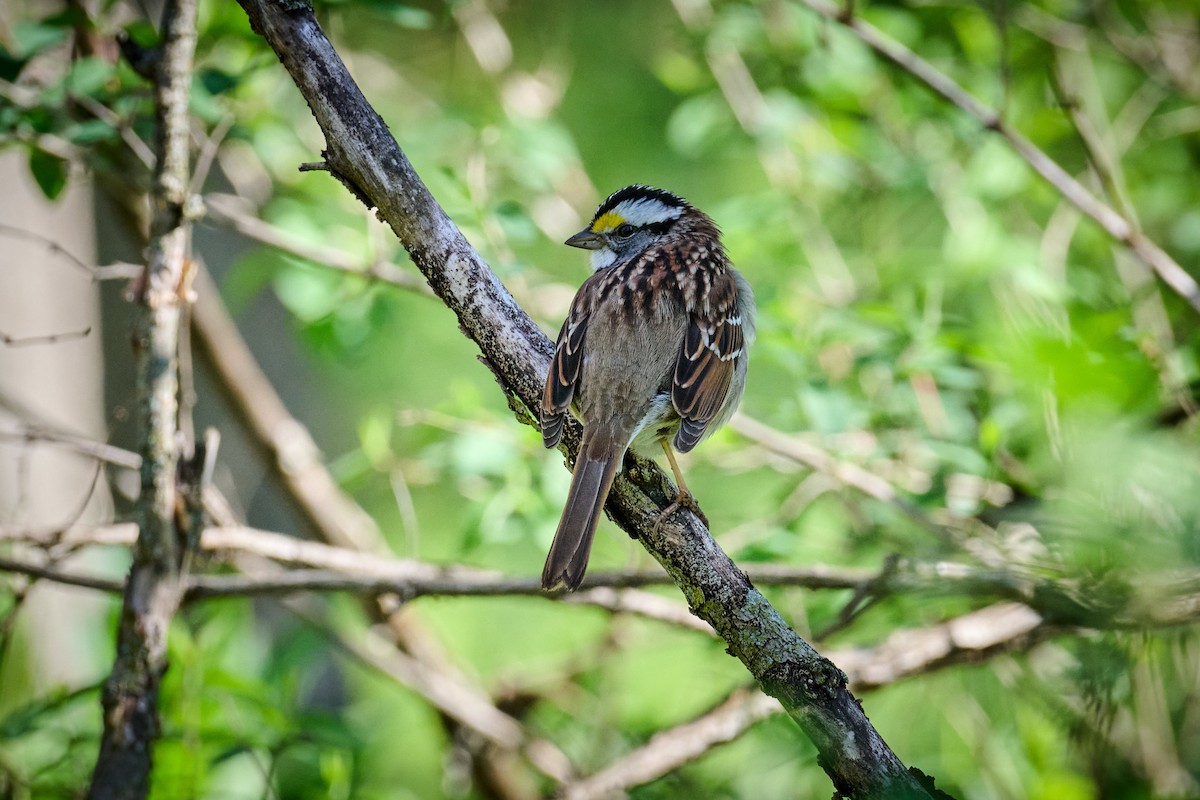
<point x="683" y="501"/>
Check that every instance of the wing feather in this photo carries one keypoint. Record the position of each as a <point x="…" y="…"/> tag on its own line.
<point x="704" y="370"/>
<point x="563" y="378"/>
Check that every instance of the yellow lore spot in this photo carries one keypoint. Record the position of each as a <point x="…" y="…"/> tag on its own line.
<point x="607" y="222"/>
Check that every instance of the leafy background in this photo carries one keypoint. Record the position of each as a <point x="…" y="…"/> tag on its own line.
<point x="930" y="309"/>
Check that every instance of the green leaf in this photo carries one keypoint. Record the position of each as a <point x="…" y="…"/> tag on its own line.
<point x="402" y="14"/>
<point x="410" y="17"/>
<point x="34" y="37"/>
<point x="697" y="123"/>
<point x="204" y="104"/>
<point x="89" y="132"/>
<point x="375" y="434"/>
<point x="49" y="171"/>
<point x="217" y="81"/>
<point x="88" y="75"/>
<point x="10" y="65"/>
<point x="29" y="717"/>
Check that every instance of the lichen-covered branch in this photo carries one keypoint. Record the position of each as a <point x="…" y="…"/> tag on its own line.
<point x="152" y="593"/>
<point x="362" y="154"/>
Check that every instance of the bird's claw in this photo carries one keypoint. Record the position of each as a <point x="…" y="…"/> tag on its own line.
<point x="683" y="501"/>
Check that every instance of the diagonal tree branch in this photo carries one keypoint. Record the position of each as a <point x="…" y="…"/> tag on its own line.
<point x="1109" y="219"/>
<point x="363" y="155"/>
<point x="152" y="593"/>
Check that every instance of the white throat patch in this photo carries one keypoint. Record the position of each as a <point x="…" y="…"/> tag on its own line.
<point x="603" y="258"/>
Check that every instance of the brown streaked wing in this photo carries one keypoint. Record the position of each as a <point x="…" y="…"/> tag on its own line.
<point x="705" y="366"/>
<point x="563" y="377"/>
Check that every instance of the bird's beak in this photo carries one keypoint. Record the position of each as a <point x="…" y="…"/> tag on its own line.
<point x="586" y="239"/>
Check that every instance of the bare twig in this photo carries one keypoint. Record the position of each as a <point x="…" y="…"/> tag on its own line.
<point x="46" y="338"/>
<point x="50" y="245"/>
<point x="970" y="638"/>
<point x="106" y="114"/>
<point x="670" y="749"/>
<point x="225" y="209"/>
<point x="866" y="594"/>
<point x="845" y="472"/>
<point x="130" y="695"/>
<point x="121" y="534"/>
<point x="1109" y="220"/>
<point x="97" y="450"/>
<point x="208" y="152"/>
<point x="110" y="585"/>
<point x="814" y="458"/>
<point x="325" y="568"/>
<point x="118" y="271"/>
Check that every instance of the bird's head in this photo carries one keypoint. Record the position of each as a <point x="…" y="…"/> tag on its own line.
<point x="630" y="221"/>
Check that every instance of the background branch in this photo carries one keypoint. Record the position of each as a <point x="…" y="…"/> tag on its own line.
<point x="152" y="593"/>
<point x="1110" y="220"/>
<point x="672" y="748"/>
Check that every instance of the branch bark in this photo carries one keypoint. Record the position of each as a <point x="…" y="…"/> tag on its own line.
<point x="363" y="155"/>
<point x="152" y="593"/>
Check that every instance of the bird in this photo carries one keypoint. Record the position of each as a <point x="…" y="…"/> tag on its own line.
<point x="652" y="354"/>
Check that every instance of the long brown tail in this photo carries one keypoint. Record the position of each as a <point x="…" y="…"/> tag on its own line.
<point x="595" y="469"/>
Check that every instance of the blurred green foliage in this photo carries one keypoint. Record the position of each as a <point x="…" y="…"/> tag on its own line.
<point x="930" y="310"/>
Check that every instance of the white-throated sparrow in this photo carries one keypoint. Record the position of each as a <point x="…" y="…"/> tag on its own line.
<point x="653" y="351"/>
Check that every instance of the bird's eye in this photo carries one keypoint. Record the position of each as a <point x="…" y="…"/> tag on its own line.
<point x="625" y="231"/>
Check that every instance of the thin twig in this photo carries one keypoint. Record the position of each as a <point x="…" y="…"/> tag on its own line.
<point x="969" y="638"/>
<point x="326" y="568"/>
<point x="1150" y="315"/>
<point x="427" y="578"/>
<point x="46" y="338"/>
<point x="866" y="594"/>
<point x="670" y="749"/>
<point x="208" y="152"/>
<point x="118" y="271"/>
<point x="226" y="210"/>
<point x="80" y="444"/>
<point x="106" y="114"/>
<point x="329" y="568"/>
<point x="848" y="473"/>
<point x="50" y="245"/>
<point x="65" y="577"/>
<point x="814" y="457"/>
